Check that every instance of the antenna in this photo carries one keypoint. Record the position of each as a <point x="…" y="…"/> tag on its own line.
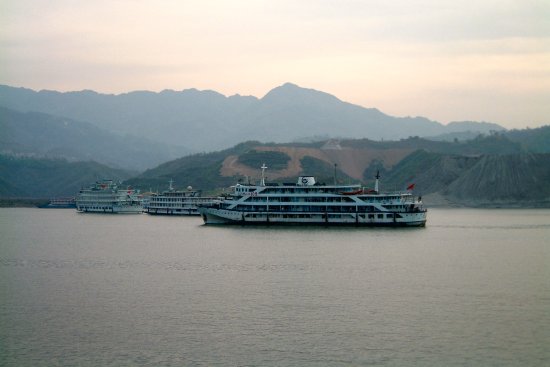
<point x="263" y="167"/>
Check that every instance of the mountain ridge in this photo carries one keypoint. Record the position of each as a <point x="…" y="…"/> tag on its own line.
<point x="41" y="135"/>
<point x="44" y="178"/>
<point x="487" y="171"/>
<point x="207" y="120"/>
<point x="440" y="169"/>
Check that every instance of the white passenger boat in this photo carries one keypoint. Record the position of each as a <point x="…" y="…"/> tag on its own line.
<point x="60" y="203"/>
<point x="175" y="202"/>
<point x="309" y="203"/>
<point x="106" y="197"/>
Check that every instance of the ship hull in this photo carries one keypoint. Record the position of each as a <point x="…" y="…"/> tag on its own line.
<point x="387" y="219"/>
<point x="112" y="209"/>
<point x="57" y="206"/>
<point x="163" y="211"/>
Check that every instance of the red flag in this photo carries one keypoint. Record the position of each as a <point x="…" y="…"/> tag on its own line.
<point x="410" y="187"/>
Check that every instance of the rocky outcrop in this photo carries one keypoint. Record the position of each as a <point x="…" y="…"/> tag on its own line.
<point x="487" y="180"/>
<point x="506" y="179"/>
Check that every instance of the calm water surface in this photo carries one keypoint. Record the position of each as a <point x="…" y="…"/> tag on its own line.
<point x="470" y="289"/>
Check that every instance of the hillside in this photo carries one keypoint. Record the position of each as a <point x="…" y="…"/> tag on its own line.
<point x="430" y="171"/>
<point x="439" y="170"/>
<point x="504" y="179"/>
<point x="198" y="170"/>
<point x="487" y="171"/>
<point x="206" y="120"/>
<point x="532" y="140"/>
<point x="40" y="135"/>
<point x="44" y="178"/>
<point x="476" y="181"/>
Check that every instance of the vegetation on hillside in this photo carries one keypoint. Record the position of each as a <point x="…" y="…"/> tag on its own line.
<point x="323" y="171"/>
<point x="532" y="140"/>
<point x="376" y="167"/>
<point x="430" y="172"/>
<point x="407" y="170"/>
<point x="43" y="178"/>
<point x="201" y="171"/>
<point x="497" y="143"/>
<point x="486" y="169"/>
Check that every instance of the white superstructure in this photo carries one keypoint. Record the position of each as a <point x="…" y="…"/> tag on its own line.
<point x="174" y="202"/>
<point x="307" y="202"/>
<point x="106" y="197"/>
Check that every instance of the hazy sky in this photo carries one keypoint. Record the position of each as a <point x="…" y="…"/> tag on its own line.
<point x="480" y="60"/>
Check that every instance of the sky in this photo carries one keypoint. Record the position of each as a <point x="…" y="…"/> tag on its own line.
<point x="484" y="60"/>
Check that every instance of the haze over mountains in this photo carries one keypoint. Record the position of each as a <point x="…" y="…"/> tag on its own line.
<point x="35" y="134"/>
<point x="202" y="121"/>
<point x="50" y="143"/>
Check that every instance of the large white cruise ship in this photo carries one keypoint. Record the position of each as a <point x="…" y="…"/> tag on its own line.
<point x="175" y="202"/>
<point x="106" y="197"/>
<point x="307" y="202"/>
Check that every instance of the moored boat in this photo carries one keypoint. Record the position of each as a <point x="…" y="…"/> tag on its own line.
<point x="309" y="203"/>
<point x="106" y="196"/>
<point x="176" y="202"/>
<point x="60" y="203"/>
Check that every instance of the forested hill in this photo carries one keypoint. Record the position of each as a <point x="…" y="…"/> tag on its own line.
<point x="45" y="178"/>
<point x="488" y="171"/>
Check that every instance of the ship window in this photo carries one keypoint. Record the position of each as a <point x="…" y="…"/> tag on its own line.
<point x="380" y="216"/>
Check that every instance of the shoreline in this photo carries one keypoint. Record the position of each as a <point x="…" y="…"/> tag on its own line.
<point x="437" y="200"/>
<point x="22" y="202"/>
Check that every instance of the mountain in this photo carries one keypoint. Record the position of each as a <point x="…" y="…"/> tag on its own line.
<point x="533" y="140"/>
<point x="206" y="120"/>
<point x="466" y="130"/>
<point x="508" y="178"/>
<point x="44" y="178"/>
<point x="42" y="135"/>
<point x="477" y="181"/>
<point x="487" y="171"/>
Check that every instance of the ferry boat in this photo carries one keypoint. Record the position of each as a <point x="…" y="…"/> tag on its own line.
<point x="106" y="196"/>
<point x="309" y="203"/>
<point x="60" y="203"/>
<point x="176" y="202"/>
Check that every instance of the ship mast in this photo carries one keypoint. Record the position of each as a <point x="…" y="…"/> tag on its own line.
<point x="263" y="167"/>
<point x="376" y="182"/>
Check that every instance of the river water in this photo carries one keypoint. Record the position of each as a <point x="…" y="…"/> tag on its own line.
<point x="470" y="289"/>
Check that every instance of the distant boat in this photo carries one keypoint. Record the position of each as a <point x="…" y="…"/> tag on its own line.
<point x="176" y="202"/>
<point x="308" y="203"/>
<point x="106" y="197"/>
<point x="60" y="203"/>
